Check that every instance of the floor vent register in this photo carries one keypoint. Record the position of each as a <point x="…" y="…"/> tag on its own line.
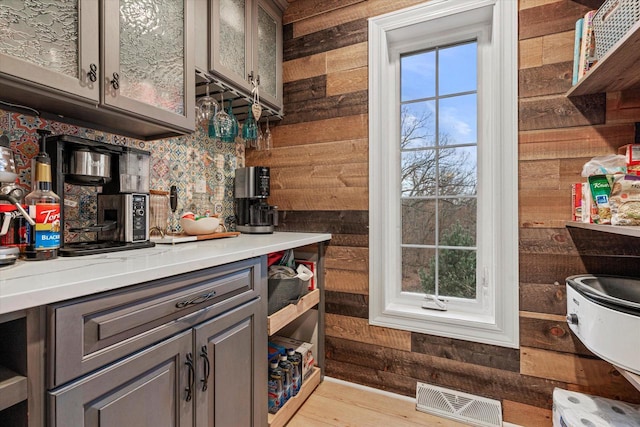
<point x="459" y="406"/>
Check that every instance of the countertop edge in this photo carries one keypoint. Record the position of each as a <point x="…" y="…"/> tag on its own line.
<point x="28" y="284"/>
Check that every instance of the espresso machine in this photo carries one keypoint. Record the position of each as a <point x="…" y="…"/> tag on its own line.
<point x="13" y="217"/>
<point x="118" y="177"/>
<point x="253" y="214"/>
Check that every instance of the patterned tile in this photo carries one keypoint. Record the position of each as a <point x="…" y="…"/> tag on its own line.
<point x="180" y="161"/>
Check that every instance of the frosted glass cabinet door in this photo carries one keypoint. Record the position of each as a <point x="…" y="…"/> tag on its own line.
<point x="53" y="44"/>
<point x="269" y="53"/>
<point x="148" y="67"/>
<point x="231" y="40"/>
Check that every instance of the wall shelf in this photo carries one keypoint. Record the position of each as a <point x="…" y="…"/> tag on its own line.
<point x="288" y="314"/>
<point x="605" y="228"/>
<point x="285" y="413"/>
<point x="617" y="70"/>
<point x="13" y="388"/>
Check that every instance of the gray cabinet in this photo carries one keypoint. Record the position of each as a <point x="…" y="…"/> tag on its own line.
<point x="182" y="351"/>
<point x="232" y="373"/>
<point x="146" y="389"/>
<point x="137" y="69"/>
<point x="245" y="44"/>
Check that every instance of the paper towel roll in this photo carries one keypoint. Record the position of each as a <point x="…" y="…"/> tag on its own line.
<point x="572" y="418"/>
<point x="571" y="400"/>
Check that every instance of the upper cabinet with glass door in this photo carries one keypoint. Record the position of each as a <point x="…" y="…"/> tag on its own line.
<point x="138" y="70"/>
<point x="245" y="45"/>
<point x="148" y="64"/>
<point x="52" y="44"/>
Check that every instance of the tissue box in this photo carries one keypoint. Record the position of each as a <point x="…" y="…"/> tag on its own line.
<point x="304" y="348"/>
<point x="573" y="409"/>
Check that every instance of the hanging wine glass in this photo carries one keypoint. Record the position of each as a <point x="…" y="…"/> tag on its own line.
<point x="231" y="136"/>
<point x="260" y="139"/>
<point x="223" y="125"/>
<point x="250" y="130"/>
<point x="268" y="140"/>
<point x="207" y="107"/>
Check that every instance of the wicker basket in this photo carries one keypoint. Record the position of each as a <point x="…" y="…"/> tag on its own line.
<point x="612" y="21"/>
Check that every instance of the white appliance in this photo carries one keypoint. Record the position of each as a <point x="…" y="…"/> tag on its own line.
<point x="604" y="313"/>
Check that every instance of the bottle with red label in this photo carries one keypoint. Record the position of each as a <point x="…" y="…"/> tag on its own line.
<point x="44" y="209"/>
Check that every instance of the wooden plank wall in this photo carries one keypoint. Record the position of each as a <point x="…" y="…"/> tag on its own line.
<point x="320" y="183"/>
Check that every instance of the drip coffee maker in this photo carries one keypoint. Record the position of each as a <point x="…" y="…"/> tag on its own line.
<point x="118" y="177"/>
<point x="252" y="188"/>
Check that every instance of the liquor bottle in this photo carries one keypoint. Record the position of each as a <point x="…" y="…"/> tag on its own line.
<point x="276" y="387"/>
<point x="286" y="367"/>
<point x="44" y="208"/>
<point x="296" y="372"/>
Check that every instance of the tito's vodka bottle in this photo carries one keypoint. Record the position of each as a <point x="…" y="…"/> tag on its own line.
<point x="44" y="209"/>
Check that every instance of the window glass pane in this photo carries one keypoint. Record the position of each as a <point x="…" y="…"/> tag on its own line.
<point x="418" y="173"/>
<point x="458" y="68"/>
<point x="457" y="273"/>
<point x="418" y="270"/>
<point x="418" y="73"/>
<point x="418" y="125"/>
<point x="457" y="222"/>
<point x="458" y="120"/>
<point x="457" y="171"/>
<point x="418" y="221"/>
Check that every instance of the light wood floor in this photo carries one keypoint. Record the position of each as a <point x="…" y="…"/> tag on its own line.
<point x="339" y="405"/>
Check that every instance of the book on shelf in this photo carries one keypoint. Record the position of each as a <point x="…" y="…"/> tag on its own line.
<point x="576" y="50"/>
<point x="587" y="57"/>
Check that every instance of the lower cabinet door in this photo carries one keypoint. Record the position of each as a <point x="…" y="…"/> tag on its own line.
<point x="232" y="368"/>
<point x="151" y="388"/>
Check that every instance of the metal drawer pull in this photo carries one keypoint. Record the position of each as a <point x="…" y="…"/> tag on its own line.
<point x="197" y="300"/>
<point x="192" y="375"/>
<point x="207" y="367"/>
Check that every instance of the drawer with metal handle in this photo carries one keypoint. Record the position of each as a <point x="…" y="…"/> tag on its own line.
<point x="87" y="333"/>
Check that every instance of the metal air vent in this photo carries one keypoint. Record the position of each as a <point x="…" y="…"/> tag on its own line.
<point x="459" y="406"/>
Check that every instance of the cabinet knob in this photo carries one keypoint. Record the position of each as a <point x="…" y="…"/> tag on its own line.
<point x="572" y="319"/>
<point x="115" y="83"/>
<point x="93" y="72"/>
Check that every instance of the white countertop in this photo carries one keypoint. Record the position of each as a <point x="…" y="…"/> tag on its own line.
<point x="33" y="283"/>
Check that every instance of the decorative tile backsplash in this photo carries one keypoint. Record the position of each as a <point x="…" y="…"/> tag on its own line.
<point x="180" y="161"/>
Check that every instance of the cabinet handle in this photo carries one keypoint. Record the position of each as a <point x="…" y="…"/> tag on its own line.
<point x="115" y="83"/>
<point x="93" y="72"/>
<point x="207" y="367"/>
<point x="192" y="376"/>
<point x="197" y="300"/>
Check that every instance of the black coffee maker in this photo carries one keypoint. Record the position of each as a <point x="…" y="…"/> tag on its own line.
<point x="253" y="214"/>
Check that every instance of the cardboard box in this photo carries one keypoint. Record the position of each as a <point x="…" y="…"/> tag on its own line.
<point x="576" y="202"/>
<point x="631" y="152"/>
<point x="275" y="350"/>
<point x="302" y="347"/>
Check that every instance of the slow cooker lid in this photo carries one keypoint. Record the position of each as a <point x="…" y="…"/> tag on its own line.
<point x="615" y="292"/>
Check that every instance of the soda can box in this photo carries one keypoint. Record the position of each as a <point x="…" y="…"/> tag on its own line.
<point x="302" y="347"/>
<point x="275" y="350"/>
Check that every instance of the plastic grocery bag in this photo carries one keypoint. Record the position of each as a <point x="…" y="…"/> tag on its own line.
<point x="605" y="165"/>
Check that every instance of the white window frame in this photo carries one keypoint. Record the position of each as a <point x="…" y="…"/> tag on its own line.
<point x="493" y="317"/>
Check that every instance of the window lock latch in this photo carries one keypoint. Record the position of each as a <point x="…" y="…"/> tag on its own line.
<point x="431" y="302"/>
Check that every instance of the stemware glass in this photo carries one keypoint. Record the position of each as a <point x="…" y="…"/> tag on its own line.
<point x="222" y="123"/>
<point x="268" y="139"/>
<point x="250" y="130"/>
<point x="231" y="136"/>
<point x="207" y="107"/>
